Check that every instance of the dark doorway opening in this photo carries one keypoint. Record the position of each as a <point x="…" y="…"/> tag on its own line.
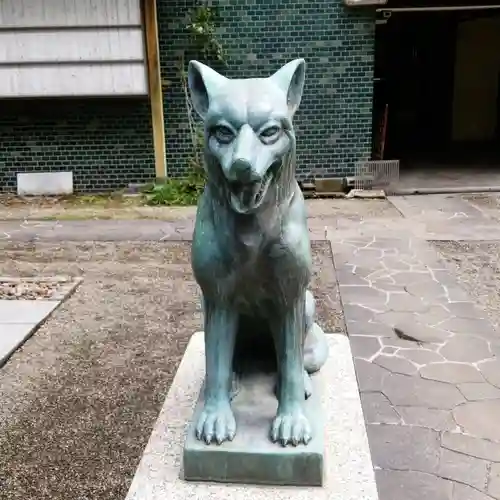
<point x="437" y="89"/>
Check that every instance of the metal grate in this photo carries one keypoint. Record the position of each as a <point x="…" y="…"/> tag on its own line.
<point x="379" y="174"/>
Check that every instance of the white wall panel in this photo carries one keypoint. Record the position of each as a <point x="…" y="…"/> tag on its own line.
<point x="73" y="80"/>
<point x="109" y="44"/>
<point x="71" y="48"/>
<point x="54" y="13"/>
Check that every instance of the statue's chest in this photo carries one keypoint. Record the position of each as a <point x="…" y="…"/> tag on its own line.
<point x="253" y="261"/>
<point x="251" y="264"/>
<point x="264" y="267"/>
<point x="254" y="284"/>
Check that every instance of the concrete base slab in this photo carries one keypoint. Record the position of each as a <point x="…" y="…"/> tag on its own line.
<point x="18" y="321"/>
<point x="348" y="471"/>
<point x="20" y="318"/>
<point x="25" y="311"/>
<point x="12" y="336"/>
<point x="251" y="457"/>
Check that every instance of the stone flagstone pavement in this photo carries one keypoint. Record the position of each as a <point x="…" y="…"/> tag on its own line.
<point x="426" y="364"/>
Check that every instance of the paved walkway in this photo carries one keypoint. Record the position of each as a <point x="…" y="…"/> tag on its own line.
<point x="473" y="217"/>
<point x="425" y="356"/>
<point x="97" y="230"/>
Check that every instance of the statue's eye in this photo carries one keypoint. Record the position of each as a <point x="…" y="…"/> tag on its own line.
<point x="223" y="133"/>
<point x="270" y="132"/>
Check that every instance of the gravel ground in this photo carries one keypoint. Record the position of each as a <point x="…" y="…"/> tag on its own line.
<point x="477" y="267"/>
<point x="79" y="399"/>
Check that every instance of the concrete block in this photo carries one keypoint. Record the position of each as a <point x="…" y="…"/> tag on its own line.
<point x="348" y="470"/>
<point x="251" y="457"/>
<point x="332" y="185"/>
<point x="44" y="183"/>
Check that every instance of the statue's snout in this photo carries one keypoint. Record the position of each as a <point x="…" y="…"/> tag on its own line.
<point x="243" y="171"/>
<point x="244" y="156"/>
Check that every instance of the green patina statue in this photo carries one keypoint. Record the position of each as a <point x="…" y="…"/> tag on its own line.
<point x="251" y="251"/>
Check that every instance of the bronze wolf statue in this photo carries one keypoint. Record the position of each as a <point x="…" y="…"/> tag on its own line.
<point x="251" y="252"/>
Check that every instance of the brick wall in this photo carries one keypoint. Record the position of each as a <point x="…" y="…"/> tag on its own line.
<point x="107" y="143"/>
<point x="334" y="122"/>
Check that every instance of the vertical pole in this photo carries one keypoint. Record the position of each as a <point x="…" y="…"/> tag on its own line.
<point x="155" y="87"/>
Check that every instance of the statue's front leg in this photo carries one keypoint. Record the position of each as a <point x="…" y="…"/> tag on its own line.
<point x="290" y="426"/>
<point x="216" y="422"/>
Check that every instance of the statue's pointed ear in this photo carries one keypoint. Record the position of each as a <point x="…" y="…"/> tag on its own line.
<point x="202" y="82"/>
<point x="290" y="78"/>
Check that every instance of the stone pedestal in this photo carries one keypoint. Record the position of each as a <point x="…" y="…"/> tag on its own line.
<point x="251" y="457"/>
<point x="348" y="472"/>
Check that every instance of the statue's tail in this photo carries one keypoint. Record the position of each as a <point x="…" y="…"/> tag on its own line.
<point x="315" y="345"/>
<point x="315" y="349"/>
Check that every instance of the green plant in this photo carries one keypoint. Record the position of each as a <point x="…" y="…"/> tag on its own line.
<point x="202" y="21"/>
<point x="202" y="28"/>
<point x="180" y="192"/>
<point x="201" y="25"/>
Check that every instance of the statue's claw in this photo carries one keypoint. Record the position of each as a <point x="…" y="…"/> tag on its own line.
<point x="291" y="428"/>
<point x="216" y="423"/>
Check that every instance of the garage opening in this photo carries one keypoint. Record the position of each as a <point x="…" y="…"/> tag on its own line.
<point x="437" y="95"/>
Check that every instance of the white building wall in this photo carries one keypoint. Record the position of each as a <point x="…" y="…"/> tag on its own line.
<point x="69" y="13"/>
<point x="71" y="48"/>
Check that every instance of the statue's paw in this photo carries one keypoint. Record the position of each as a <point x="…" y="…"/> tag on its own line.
<point x="291" y="428"/>
<point x="216" y="424"/>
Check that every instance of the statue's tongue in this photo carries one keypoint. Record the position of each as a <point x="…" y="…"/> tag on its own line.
<point x="249" y="195"/>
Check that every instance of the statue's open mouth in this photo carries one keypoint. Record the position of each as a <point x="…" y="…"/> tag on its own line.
<point x="248" y="196"/>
